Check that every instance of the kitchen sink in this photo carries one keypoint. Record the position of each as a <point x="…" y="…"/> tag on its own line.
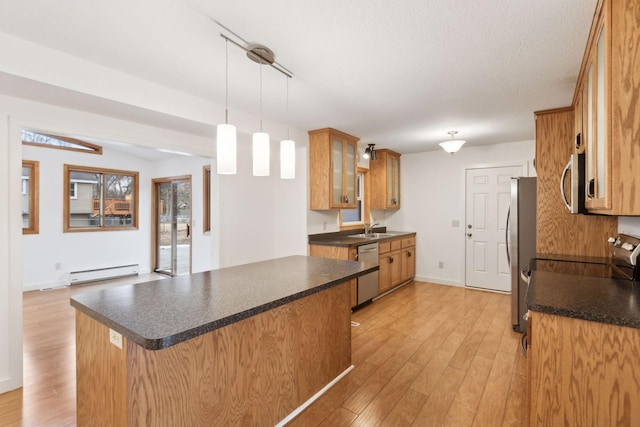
<point x="370" y="236"/>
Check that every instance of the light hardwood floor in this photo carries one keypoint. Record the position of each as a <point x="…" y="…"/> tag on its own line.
<point x="424" y="355"/>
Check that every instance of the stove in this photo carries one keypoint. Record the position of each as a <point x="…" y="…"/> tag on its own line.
<point x="622" y="264"/>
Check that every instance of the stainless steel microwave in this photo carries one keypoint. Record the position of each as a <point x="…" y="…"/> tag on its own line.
<point x="572" y="185"/>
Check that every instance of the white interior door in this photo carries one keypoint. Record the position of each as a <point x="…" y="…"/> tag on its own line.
<point x="488" y="194"/>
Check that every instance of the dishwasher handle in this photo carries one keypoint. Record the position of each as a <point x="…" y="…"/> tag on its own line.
<point x="365" y="251"/>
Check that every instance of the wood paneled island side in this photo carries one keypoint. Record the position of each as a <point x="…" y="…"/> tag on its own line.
<point x="244" y="345"/>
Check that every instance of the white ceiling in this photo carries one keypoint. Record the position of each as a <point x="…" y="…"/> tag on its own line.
<point x="398" y="74"/>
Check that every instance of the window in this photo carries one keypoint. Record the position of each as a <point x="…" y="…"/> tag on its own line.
<point x="30" y="197"/>
<point x="73" y="190"/>
<point x="99" y="199"/>
<point x="56" y="141"/>
<point x="206" y="198"/>
<point x="355" y="218"/>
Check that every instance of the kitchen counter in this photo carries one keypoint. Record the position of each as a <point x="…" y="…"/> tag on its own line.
<point x="162" y="313"/>
<point x="245" y="345"/>
<point x="597" y="299"/>
<point x="347" y="239"/>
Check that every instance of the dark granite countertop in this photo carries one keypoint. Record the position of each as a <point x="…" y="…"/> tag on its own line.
<point x="165" y="312"/>
<point x="598" y="299"/>
<point x="346" y="238"/>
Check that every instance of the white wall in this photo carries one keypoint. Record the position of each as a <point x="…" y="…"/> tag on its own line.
<point x="629" y="225"/>
<point x="55" y="253"/>
<point x="10" y="259"/>
<point x="433" y="194"/>
<point x="261" y="218"/>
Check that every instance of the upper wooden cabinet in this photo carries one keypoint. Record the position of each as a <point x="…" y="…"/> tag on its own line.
<point x="332" y="169"/>
<point x="385" y="180"/>
<point x="607" y="111"/>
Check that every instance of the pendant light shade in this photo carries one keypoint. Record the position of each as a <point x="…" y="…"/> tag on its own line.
<point x="226" y="133"/>
<point x="261" y="154"/>
<point x="287" y="159"/>
<point x="226" y="149"/>
<point x="452" y="145"/>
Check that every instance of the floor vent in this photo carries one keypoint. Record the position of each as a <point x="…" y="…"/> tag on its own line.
<point x="103" y="273"/>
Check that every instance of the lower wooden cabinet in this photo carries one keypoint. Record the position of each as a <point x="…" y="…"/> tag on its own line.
<point x="582" y="373"/>
<point x="397" y="263"/>
<point x="339" y="252"/>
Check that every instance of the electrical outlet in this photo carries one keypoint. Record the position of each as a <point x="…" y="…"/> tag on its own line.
<point x="440" y="264"/>
<point x="58" y="265"/>
<point x="455" y="223"/>
<point x="115" y="338"/>
<point x="324" y="225"/>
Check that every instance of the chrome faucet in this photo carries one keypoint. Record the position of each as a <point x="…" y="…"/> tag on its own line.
<point x="368" y="229"/>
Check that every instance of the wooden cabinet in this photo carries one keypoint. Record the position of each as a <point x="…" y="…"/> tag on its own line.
<point x="339" y="252"/>
<point x="610" y="112"/>
<point x="559" y="232"/>
<point x="408" y="263"/>
<point x="385" y="180"/>
<point x="332" y="169"/>
<point x="582" y="373"/>
<point x="595" y="110"/>
<point x="397" y="263"/>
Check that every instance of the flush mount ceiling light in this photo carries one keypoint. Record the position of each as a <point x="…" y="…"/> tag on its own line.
<point x="452" y="145"/>
<point x="370" y="152"/>
<point x="261" y="150"/>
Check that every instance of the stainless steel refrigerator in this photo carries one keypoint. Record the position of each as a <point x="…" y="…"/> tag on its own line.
<point x="521" y="243"/>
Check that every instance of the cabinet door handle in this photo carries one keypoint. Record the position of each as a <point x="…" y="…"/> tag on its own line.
<point x="592" y="189"/>
<point x="390" y="260"/>
<point x="578" y="140"/>
<point x="409" y="254"/>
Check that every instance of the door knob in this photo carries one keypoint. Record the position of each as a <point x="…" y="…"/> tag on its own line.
<point x="468" y="234"/>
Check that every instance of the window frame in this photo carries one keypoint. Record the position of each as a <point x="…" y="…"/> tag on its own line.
<point x="89" y="148"/>
<point x="34" y="197"/>
<point x="364" y="194"/>
<point x="206" y="199"/>
<point x="66" y="219"/>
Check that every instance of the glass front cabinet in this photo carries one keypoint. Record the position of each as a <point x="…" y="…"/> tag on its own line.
<point x="385" y="180"/>
<point x="332" y="169"/>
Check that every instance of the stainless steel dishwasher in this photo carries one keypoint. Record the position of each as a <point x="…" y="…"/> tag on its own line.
<point x="368" y="284"/>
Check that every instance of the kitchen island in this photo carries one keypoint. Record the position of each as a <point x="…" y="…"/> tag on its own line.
<point x="244" y="345"/>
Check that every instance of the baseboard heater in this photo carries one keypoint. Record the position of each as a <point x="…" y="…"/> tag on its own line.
<point x="84" y="276"/>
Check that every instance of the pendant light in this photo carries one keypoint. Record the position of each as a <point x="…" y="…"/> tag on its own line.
<point x="261" y="144"/>
<point x="226" y="133"/>
<point x="287" y="150"/>
<point x="452" y="145"/>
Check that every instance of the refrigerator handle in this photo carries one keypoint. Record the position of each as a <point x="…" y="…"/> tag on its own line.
<point x="506" y="236"/>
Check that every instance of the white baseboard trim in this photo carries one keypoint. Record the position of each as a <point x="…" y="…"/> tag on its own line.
<point x="439" y="281"/>
<point x="313" y="398"/>
<point x="46" y="285"/>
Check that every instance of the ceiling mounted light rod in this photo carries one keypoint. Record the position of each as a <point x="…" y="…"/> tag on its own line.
<point x="256" y="51"/>
<point x="452" y="145"/>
